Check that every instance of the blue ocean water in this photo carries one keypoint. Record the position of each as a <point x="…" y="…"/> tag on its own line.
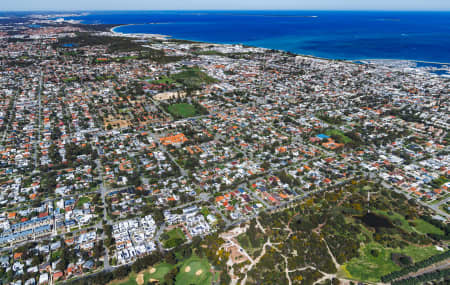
<point x="331" y="34"/>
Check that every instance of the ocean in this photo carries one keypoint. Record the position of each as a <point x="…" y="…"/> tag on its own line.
<point x="349" y="35"/>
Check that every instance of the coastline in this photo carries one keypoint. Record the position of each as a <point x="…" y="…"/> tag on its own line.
<point x="168" y="37"/>
<point x="353" y="61"/>
<point x="134" y="35"/>
<point x="338" y="35"/>
<point x="403" y="60"/>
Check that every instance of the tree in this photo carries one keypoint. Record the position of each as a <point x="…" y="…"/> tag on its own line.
<point x="225" y="278"/>
<point x="54" y="155"/>
<point x="171" y="258"/>
<point x="265" y="165"/>
<point x="170" y="277"/>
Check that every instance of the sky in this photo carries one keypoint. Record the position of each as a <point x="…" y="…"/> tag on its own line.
<point x="56" y="5"/>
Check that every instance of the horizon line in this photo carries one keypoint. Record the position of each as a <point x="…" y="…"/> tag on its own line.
<point x="224" y="10"/>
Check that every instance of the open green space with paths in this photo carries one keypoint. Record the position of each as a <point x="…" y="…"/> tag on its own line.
<point x="375" y="260"/>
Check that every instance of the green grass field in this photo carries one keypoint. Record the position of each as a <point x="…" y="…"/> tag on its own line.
<point x="195" y="264"/>
<point x="161" y="270"/>
<point x="176" y="233"/>
<point x="175" y="237"/>
<point x="370" y="268"/>
<point x="183" y="110"/>
<point x="426" y="228"/>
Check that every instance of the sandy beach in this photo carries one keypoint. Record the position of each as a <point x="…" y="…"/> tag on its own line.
<point x="138" y="35"/>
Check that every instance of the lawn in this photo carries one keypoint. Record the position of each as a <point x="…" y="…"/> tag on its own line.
<point x="338" y="136"/>
<point x="176" y="233"/>
<point x="161" y="270"/>
<point x="174" y="237"/>
<point x="183" y="110"/>
<point x="419" y="253"/>
<point x="426" y="228"/>
<point x="368" y="267"/>
<point x="194" y="270"/>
